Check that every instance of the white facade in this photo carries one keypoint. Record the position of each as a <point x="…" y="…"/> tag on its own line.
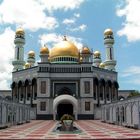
<point x="65" y="82"/>
<point x="74" y="83"/>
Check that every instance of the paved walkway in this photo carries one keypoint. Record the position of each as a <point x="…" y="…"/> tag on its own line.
<point x="91" y="129"/>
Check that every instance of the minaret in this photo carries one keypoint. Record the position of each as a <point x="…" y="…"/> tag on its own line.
<point x="110" y="63"/>
<point x="31" y="58"/>
<point x="97" y="58"/>
<point x="19" y="41"/>
<point x="44" y="54"/>
<point x="86" y="54"/>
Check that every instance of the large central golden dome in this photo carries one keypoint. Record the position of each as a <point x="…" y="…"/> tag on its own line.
<point x="64" y="49"/>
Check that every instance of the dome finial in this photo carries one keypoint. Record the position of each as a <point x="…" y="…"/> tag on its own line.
<point x="64" y="38"/>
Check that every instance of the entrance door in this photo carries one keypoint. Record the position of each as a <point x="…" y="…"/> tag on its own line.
<point x="64" y="109"/>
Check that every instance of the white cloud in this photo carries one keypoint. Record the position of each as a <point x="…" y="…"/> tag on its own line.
<point x="54" y="38"/>
<point x="80" y="28"/>
<point x="69" y="21"/>
<point x="131" y="71"/>
<point x="49" y="38"/>
<point x="77" y="15"/>
<point x="34" y="14"/>
<point x="51" y="5"/>
<point x="6" y="56"/>
<point x="131" y="75"/>
<point x="77" y="41"/>
<point x="27" y="13"/>
<point x="131" y="26"/>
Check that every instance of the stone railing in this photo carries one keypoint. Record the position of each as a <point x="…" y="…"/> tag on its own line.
<point x="12" y="113"/>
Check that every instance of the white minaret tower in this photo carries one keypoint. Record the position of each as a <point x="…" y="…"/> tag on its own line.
<point x="110" y="63"/>
<point x="19" y="41"/>
<point x="31" y="58"/>
<point x="97" y="58"/>
<point x="44" y="54"/>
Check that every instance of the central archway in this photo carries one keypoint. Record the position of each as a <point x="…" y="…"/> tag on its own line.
<point x="64" y="108"/>
<point x="65" y="104"/>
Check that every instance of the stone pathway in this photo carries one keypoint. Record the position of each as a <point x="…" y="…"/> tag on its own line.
<point x="91" y="129"/>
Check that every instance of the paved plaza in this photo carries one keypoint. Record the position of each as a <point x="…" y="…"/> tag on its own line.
<point x="91" y="129"/>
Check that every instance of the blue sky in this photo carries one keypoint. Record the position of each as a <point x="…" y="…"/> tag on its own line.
<point x="83" y="21"/>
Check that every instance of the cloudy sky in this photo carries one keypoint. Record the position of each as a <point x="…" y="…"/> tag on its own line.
<point x="83" y="21"/>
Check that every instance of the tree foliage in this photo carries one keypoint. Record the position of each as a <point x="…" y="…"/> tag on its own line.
<point x="134" y="93"/>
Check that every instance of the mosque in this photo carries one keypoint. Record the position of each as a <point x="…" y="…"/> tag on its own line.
<point x="66" y="80"/>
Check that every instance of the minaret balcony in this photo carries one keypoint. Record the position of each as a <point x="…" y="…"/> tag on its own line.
<point x="19" y="40"/>
<point x="18" y="62"/>
<point x="109" y="41"/>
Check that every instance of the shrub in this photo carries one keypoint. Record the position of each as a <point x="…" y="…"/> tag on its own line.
<point x="66" y="117"/>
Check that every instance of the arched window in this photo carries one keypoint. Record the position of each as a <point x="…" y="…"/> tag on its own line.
<point x="108" y="113"/>
<point x="131" y="109"/>
<point x="65" y="90"/>
<point x="95" y="88"/>
<point x="123" y="114"/>
<point x="108" y="90"/>
<point x="14" y="90"/>
<point x="117" y="115"/>
<point x="34" y="89"/>
<point x="20" y="91"/>
<point x="27" y="90"/>
<point x="115" y="87"/>
<point x="102" y="89"/>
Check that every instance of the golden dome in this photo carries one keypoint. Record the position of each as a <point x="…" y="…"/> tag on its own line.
<point x="85" y="50"/>
<point x="44" y="50"/>
<point x="27" y="65"/>
<point x="31" y="54"/>
<point x="108" y="32"/>
<point x="20" y="31"/>
<point x="97" y="54"/>
<point x="102" y="65"/>
<point x="64" y="48"/>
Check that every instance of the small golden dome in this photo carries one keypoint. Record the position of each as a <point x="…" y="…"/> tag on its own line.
<point x="85" y="50"/>
<point x="108" y="32"/>
<point x="31" y="54"/>
<point x="44" y="50"/>
<point x="97" y="54"/>
<point x="102" y="65"/>
<point x="20" y="31"/>
<point x="64" y="48"/>
<point x="27" y="65"/>
<point x="48" y="58"/>
<point x="81" y="59"/>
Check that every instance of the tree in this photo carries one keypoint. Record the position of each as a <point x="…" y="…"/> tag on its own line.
<point x="134" y="93"/>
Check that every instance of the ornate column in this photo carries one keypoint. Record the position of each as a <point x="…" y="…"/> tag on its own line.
<point x="32" y="93"/>
<point x="25" y="91"/>
<point x="105" y="99"/>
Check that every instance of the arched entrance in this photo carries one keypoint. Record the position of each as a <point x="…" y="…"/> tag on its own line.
<point x="65" y="104"/>
<point x="64" y="108"/>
